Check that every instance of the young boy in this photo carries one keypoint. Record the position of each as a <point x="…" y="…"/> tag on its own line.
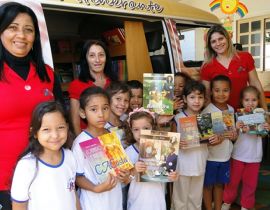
<point x="136" y="99"/>
<point x="218" y="165"/>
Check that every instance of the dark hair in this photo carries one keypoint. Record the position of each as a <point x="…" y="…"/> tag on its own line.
<point x="134" y="84"/>
<point x="89" y="92"/>
<point x="116" y="87"/>
<point x="220" y="78"/>
<point x="252" y="89"/>
<point x="210" y="53"/>
<point x="8" y="12"/>
<point x="85" y="75"/>
<point x="183" y="75"/>
<point x="193" y="85"/>
<point x="41" y="109"/>
<point x="135" y="116"/>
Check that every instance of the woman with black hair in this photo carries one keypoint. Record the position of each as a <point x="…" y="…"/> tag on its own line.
<point x="95" y="70"/>
<point x="25" y="81"/>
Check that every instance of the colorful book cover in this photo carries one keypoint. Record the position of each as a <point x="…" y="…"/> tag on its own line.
<point x="159" y="151"/>
<point x="189" y="131"/>
<point x="218" y="123"/>
<point x="229" y="121"/>
<point x="205" y="127"/>
<point x="254" y="119"/>
<point x="99" y="162"/>
<point x="158" y="93"/>
<point x="115" y="152"/>
<point x="106" y="155"/>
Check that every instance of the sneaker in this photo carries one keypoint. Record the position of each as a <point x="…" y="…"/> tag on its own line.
<point x="225" y="206"/>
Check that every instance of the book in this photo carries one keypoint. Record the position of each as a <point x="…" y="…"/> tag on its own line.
<point x="158" y="93"/>
<point x="254" y="119"/>
<point x="105" y="155"/>
<point x="114" y="37"/>
<point x="205" y="127"/>
<point x="159" y="151"/>
<point x="218" y="124"/>
<point x="222" y="122"/>
<point x="229" y="121"/>
<point x="189" y="131"/>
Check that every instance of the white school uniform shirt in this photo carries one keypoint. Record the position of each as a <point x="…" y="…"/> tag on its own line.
<point x="144" y="195"/>
<point x="192" y="161"/>
<point x="48" y="186"/>
<point x="221" y="152"/>
<point x="108" y="200"/>
<point x="248" y="148"/>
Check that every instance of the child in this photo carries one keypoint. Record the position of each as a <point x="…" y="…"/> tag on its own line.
<point x="246" y="158"/>
<point x="218" y="165"/>
<point x="180" y="79"/>
<point x="45" y="175"/>
<point x="95" y="108"/>
<point x="139" y="192"/>
<point x="187" y="191"/>
<point x="136" y="99"/>
<point x="119" y="102"/>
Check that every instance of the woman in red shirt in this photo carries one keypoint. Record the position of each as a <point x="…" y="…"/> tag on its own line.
<point x="95" y="70"/>
<point x="25" y="81"/>
<point x="222" y="58"/>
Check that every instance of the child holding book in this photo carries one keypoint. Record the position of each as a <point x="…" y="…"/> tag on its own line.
<point x="136" y="98"/>
<point x="138" y="194"/>
<point x="95" y="108"/>
<point x="188" y="190"/>
<point x="246" y="157"/>
<point x="45" y="175"/>
<point x="219" y="152"/>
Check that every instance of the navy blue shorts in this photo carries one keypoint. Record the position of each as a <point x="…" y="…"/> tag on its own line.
<point x="217" y="173"/>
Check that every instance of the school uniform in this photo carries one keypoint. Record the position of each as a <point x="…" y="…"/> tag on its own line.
<point x="144" y="195"/>
<point x="45" y="186"/>
<point x="108" y="200"/>
<point x="218" y="165"/>
<point x="188" y="189"/>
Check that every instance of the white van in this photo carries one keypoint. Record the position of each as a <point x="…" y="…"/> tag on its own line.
<point x="152" y="29"/>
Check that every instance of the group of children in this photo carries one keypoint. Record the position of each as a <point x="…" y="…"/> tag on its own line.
<point x="49" y="176"/>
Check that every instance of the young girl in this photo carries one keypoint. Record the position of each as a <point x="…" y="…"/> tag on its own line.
<point x="218" y="165"/>
<point x="187" y="191"/>
<point x="119" y="102"/>
<point x="45" y="175"/>
<point x="95" y="109"/>
<point x="138" y="194"/>
<point x="246" y="158"/>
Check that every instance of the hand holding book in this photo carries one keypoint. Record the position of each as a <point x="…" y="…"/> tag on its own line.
<point x="215" y="139"/>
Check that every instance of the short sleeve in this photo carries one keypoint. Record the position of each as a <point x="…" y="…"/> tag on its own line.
<point x="79" y="157"/>
<point x="248" y="59"/>
<point x="73" y="90"/>
<point x="205" y="72"/>
<point x="22" y="179"/>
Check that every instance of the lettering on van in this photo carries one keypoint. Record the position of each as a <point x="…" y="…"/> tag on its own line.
<point x="126" y="4"/>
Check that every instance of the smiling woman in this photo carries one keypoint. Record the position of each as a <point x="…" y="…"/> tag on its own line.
<point x="223" y="59"/>
<point x="25" y="81"/>
<point x="95" y="70"/>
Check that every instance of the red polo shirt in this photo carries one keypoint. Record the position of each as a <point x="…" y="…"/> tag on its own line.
<point x="238" y="70"/>
<point x="18" y="99"/>
<point x="76" y="87"/>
